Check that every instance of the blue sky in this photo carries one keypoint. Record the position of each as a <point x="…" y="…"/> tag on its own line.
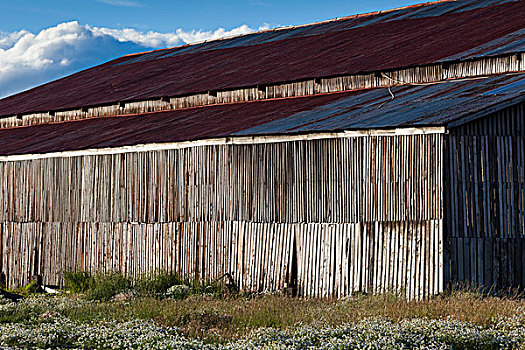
<point x="165" y="16"/>
<point x="44" y="40"/>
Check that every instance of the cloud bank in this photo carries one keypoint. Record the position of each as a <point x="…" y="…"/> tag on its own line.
<point x="28" y="59"/>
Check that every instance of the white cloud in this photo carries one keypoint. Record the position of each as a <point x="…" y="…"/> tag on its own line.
<point x="155" y="39"/>
<point x="9" y="39"/>
<point x="28" y="59"/>
<point x="122" y="3"/>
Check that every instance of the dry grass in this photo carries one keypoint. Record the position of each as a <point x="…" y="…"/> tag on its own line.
<point x="220" y="319"/>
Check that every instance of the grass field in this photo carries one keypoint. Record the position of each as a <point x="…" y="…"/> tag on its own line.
<point x="205" y="317"/>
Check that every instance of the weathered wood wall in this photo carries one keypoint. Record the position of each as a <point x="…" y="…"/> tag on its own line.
<point x="331" y="216"/>
<point x="375" y="178"/>
<point x="486" y="200"/>
<point x="333" y="260"/>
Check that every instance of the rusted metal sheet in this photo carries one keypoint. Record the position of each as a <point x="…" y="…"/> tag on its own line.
<point x="421" y="11"/>
<point x="189" y="124"/>
<point x="409" y="37"/>
<point x="413" y="106"/>
<point x="415" y="75"/>
<point x="513" y="42"/>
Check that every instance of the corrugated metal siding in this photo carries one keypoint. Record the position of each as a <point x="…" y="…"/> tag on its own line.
<point x="243" y="209"/>
<point x="336" y="260"/>
<point x="326" y="49"/>
<point x="486" y="200"/>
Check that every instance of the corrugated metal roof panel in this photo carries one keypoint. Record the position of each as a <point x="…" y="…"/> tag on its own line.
<point x="429" y="33"/>
<point x="438" y="104"/>
<point x="168" y="126"/>
<point x="511" y="43"/>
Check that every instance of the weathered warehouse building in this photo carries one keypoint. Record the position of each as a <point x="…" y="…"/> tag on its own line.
<point x="371" y="152"/>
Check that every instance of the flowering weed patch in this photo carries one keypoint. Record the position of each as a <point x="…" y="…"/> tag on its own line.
<point x="61" y="332"/>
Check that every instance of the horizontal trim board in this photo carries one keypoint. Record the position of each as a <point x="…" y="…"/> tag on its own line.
<point x="240" y="140"/>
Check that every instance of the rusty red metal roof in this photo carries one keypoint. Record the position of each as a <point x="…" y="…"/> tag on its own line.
<point x="446" y="104"/>
<point x="406" y="37"/>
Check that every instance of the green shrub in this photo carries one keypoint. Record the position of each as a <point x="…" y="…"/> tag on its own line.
<point x="215" y="288"/>
<point x="172" y="285"/>
<point x="106" y="286"/>
<point x="30" y="289"/>
<point x="78" y="282"/>
<point x="178" y="292"/>
<point x="156" y="284"/>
